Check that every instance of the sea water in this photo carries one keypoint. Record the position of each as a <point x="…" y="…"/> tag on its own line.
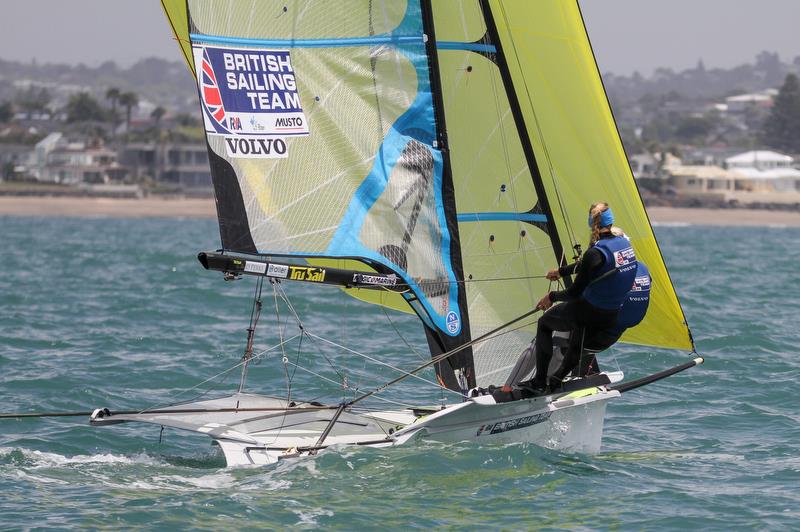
<point x="118" y="313"/>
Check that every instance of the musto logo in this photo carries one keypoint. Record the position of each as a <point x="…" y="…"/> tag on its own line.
<point x="250" y="98"/>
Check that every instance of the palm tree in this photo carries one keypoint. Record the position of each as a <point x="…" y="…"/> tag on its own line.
<point x="129" y="100"/>
<point x="113" y="94"/>
<point x="157" y="114"/>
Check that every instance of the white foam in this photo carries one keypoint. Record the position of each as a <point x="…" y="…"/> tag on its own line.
<point x="309" y="517"/>
<point x="35" y="478"/>
<point x="213" y="481"/>
<point x="45" y="459"/>
<point x="671" y="224"/>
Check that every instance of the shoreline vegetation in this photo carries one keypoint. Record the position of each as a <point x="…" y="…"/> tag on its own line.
<point x="177" y="207"/>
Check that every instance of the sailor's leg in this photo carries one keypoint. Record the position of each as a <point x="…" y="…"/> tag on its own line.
<point x="525" y="364"/>
<point x="561" y="341"/>
<point x="595" y="342"/>
<point x="558" y="318"/>
<point x="571" y="355"/>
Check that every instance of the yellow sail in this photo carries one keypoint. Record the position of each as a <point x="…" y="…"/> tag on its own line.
<point x="179" y="21"/>
<point x="577" y="145"/>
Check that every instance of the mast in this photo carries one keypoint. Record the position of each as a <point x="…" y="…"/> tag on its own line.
<point x="444" y="343"/>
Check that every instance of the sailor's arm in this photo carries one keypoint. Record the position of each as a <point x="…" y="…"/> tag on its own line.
<point x="563" y="271"/>
<point x="591" y="259"/>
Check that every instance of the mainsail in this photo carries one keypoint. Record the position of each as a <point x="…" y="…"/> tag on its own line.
<point x="455" y="144"/>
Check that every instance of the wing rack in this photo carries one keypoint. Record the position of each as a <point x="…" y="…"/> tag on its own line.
<point x="234" y="266"/>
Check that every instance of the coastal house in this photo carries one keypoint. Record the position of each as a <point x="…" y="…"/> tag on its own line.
<point x="764" y="171"/>
<point x="701" y="179"/>
<point x="182" y="164"/>
<point x="13" y="160"/>
<point x="57" y="160"/>
<point x="742" y="103"/>
<point x="644" y="165"/>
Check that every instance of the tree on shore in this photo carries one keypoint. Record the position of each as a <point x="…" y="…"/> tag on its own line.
<point x="157" y="114"/>
<point x="782" y="127"/>
<point x="34" y="101"/>
<point x="6" y="112"/>
<point x="128" y="100"/>
<point x="81" y="107"/>
<point x="113" y="95"/>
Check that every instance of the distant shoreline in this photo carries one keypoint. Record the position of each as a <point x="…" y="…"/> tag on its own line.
<point x="172" y="207"/>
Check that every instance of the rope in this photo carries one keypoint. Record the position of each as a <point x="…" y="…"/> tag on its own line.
<point x="291" y="308"/>
<point x="408" y="374"/>
<point x="220" y="374"/>
<point x="323" y="377"/>
<point x="567" y="224"/>
<point x="397" y="331"/>
<point x="445" y="355"/>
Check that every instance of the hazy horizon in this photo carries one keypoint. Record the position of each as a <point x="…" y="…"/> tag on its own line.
<point x="627" y="35"/>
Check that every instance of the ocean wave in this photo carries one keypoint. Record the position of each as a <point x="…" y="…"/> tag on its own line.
<point x="34" y="459"/>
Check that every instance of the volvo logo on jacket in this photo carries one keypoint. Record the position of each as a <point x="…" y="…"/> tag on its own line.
<point x="634" y="308"/>
<point x="615" y="277"/>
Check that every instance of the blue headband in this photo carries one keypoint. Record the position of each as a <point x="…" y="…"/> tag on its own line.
<point x="606" y="218"/>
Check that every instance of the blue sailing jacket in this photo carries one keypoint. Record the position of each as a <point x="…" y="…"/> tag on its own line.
<point x="615" y="277"/>
<point x="635" y="305"/>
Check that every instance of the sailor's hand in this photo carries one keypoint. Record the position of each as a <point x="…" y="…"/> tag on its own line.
<point x="545" y="302"/>
<point x="553" y="275"/>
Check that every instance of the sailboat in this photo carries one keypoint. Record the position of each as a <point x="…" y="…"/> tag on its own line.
<point x="432" y="157"/>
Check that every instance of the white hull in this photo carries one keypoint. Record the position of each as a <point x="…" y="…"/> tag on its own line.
<point x="574" y="427"/>
<point x="253" y="429"/>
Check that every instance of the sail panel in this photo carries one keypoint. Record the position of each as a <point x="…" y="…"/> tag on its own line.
<point x="300" y="20"/>
<point x="577" y="146"/>
<point x="323" y="112"/>
<point x="458" y="21"/>
<point x="505" y="244"/>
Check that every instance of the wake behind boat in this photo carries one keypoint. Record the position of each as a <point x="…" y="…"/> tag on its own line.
<point x="430" y="157"/>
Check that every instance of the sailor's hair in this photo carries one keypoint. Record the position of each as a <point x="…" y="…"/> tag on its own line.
<point x="595" y="211"/>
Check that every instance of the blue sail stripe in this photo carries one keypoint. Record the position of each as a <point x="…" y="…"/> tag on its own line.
<point x="340" y="42"/>
<point x="471" y="46"/>
<point x="309" y="43"/>
<point x="500" y="216"/>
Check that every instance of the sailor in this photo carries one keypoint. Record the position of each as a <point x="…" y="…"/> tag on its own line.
<point x="604" y="276"/>
<point x="632" y="312"/>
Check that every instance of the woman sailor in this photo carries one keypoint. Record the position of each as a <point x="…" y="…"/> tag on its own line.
<point x="604" y="277"/>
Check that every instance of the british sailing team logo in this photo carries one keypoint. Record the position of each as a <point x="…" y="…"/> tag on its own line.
<point x="212" y="98"/>
<point x="250" y="97"/>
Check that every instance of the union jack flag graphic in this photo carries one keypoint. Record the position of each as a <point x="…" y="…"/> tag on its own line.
<point x="212" y="99"/>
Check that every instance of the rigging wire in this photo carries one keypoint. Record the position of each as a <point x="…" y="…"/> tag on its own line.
<point x="284" y="358"/>
<point x="291" y="308"/>
<point x="444" y="356"/>
<point x="214" y="377"/>
<point x="399" y="335"/>
<point x="343" y="378"/>
<point x="364" y="365"/>
<point x="568" y="225"/>
<point x="255" y="313"/>
<point x="323" y="377"/>
<point x="506" y="157"/>
<point x="436" y="384"/>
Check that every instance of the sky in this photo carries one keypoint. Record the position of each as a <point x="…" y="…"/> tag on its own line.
<point x="627" y="35"/>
